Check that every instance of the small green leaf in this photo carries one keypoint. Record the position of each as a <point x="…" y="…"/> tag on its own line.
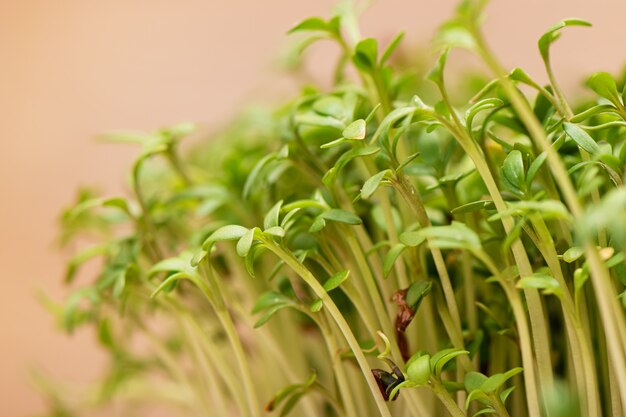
<point x="534" y="168"/>
<point x="329" y="106"/>
<point x="419" y="370"/>
<point x="391" y="48"/>
<point x="581" y="137"/>
<point x="318" y="224"/>
<point x="313" y="24"/>
<point x="314" y="119"/>
<point x="336" y="280"/>
<point x="170" y="280"/>
<point x="272" y="216"/>
<point x="513" y="172"/>
<point x="269" y="313"/>
<point x="540" y="281"/>
<point x="342" y="216"/>
<point x="476" y="394"/>
<point x="441" y="358"/>
<point x="486" y="104"/>
<point x="268" y="300"/>
<point x="245" y="243"/>
<point x="604" y="85"/>
<point x="371" y="185"/>
<point x="230" y="232"/>
<point x="454" y="236"/>
<point x="495" y="382"/>
<point x="366" y="54"/>
<point x="372" y="113"/>
<point x="553" y="34"/>
<point x="391" y="257"/>
<point x="471" y="207"/>
<point x="474" y="380"/>
<point x="573" y="254"/>
<point x="333" y="143"/>
<point x="317" y="305"/>
<point x="358" y="152"/>
<point x="413" y="238"/>
<point x="416" y="293"/>
<point x="436" y="74"/>
<point x="548" y="209"/>
<point x="355" y="130"/>
<point x="276" y="231"/>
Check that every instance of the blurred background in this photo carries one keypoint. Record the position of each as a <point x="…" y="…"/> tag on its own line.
<point x="73" y="68"/>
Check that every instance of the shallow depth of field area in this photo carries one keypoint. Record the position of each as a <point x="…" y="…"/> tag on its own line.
<point x="391" y="246"/>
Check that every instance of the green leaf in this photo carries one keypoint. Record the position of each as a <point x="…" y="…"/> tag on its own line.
<point x="513" y="172"/>
<point x="290" y="404"/>
<point x="441" y="358"/>
<point x="495" y="382"/>
<point x="454" y="236"/>
<point x="176" y="264"/>
<point x="336" y="280"/>
<point x="534" y="168"/>
<point x="313" y="119"/>
<point x="342" y="216"/>
<point x="553" y="34"/>
<point x="472" y="207"/>
<point x="371" y="185"/>
<point x="474" y="380"/>
<point x="317" y="305"/>
<point x="419" y="370"/>
<point x="245" y="243"/>
<point x="358" y="152"/>
<point x="413" y="238"/>
<point x="276" y="231"/>
<point x="573" y="254"/>
<point x="593" y="111"/>
<point x="391" y="48"/>
<point x="548" y="209"/>
<point x="405" y="384"/>
<point x="581" y="137"/>
<point x="329" y="106"/>
<point x="455" y="35"/>
<point x="315" y="24"/>
<point x="391" y="257"/>
<point x="268" y="300"/>
<point x="366" y="55"/>
<point x="252" y="178"/>
<point x="170" y="280"/>
<point x="486" y="410"/>
<point x="604" y="85"/>
<point x="476" y="394"/>
<point x="355" y="130"/>
<point x="416" y="293"/>
<point x="486" y="104"/>
<point x="230" y="232"/>
<point x="540" y="281"/>
<point x="318" y="224"/>
<point x="272" y="216"/>
<point x="436" y="74"/>
<point x="269" y="313"/>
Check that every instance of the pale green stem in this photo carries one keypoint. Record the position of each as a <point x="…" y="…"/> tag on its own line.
<point x="446" y="399"/>
<point x="329" y="304"/>
<point x="610" y="311"/>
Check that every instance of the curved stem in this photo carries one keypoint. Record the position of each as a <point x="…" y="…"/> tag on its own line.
<point x="334" y="312"/>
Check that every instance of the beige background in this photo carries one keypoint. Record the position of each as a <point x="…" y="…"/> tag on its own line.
<point x="72" y="68"/>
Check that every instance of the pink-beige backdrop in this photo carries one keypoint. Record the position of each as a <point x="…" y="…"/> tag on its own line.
<point x="72" y="68"/>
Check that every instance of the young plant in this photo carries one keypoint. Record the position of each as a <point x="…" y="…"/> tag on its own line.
<point x="478" y="250"/>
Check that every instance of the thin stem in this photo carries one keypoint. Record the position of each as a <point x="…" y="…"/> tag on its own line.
<point x="610" y="312"/>
<point x="329" y="304"/>
<point x="446" y="399"/>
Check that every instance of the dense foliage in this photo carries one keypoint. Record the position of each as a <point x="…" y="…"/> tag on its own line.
<point x="375" y="249"/>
